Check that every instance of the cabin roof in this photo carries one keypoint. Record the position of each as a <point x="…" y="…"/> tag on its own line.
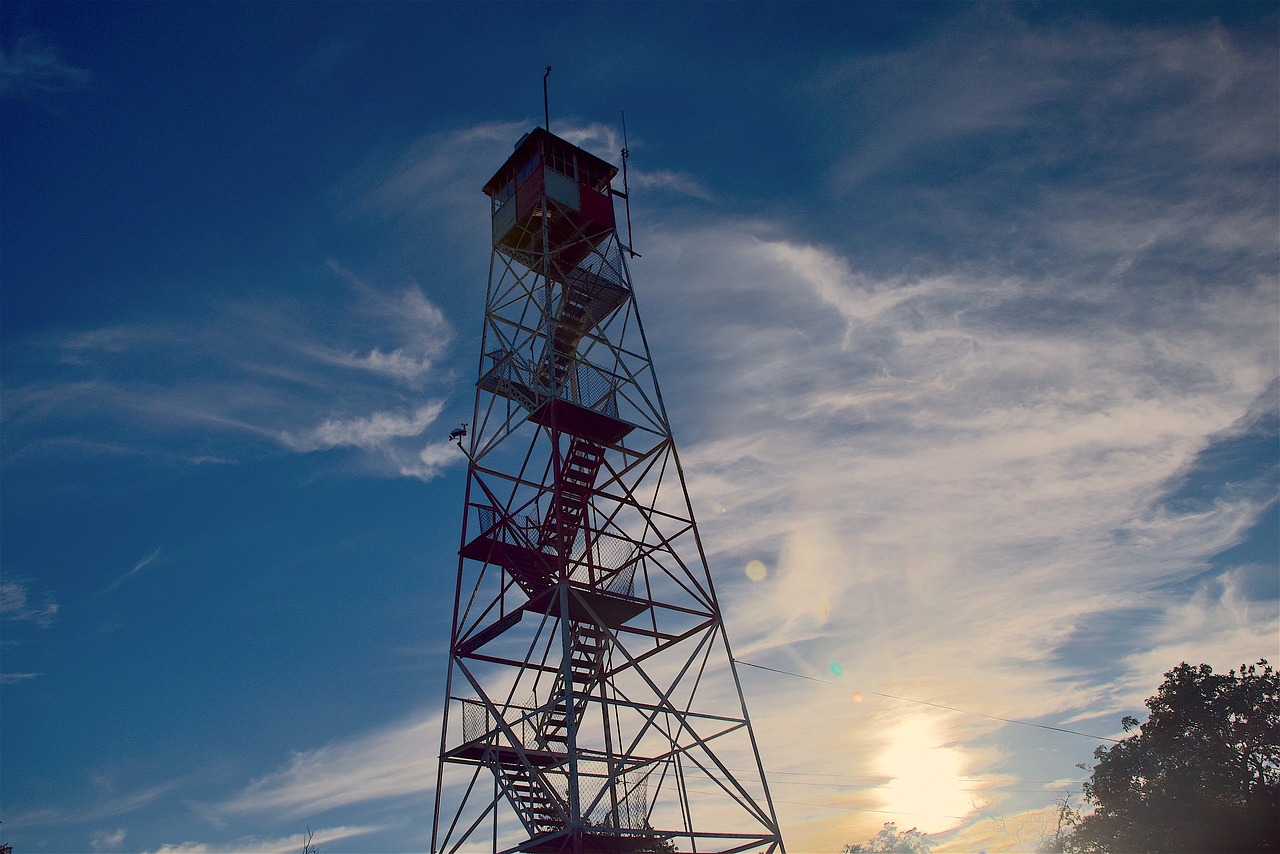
<point x="539" y="139"/>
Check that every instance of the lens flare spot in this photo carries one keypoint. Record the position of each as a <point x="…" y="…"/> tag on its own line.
<point x="756" y="570"/>
<point x="857" y="697"/>
<point x="836" y="669"/>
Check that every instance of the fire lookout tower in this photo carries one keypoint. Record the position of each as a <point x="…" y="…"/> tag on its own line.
<point x="592" y="703"/>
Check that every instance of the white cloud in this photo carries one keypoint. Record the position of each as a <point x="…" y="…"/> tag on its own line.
<point x="429" y="173"/>
<point x="665" y="179"/>
<point x="29" y="65"/>
<point x="108" y="840"/>
<point x="988" y="76"/>
<point x="391" y="762"/>
<point x="436" y="182"/>
<point x="602" y="139"/>
<point x="277" y="845"/>
<point x="368" y="432"/>
<point x="13" y="678"/>
<point x="16" y="604"/>
<point x="137" y="567"/>
<point x="942" y="496"/>
<point x="432" y="459"/>
<point x="412" y="318"/>
<point x="1216" y="625"/>
<point x="396" y="363"/>
<point x="109" y="806"/>
<point x="236" y="378"/>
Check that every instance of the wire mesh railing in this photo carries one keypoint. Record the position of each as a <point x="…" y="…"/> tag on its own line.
<point x="480" y="724"/>
<point x="613" y="801"/>
<point x="609" y="566"/>
<point x="531" y="383"/>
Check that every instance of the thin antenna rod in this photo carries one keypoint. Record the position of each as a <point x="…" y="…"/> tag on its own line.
<point x="546" y="108"/>
<point x="626" y="190"/>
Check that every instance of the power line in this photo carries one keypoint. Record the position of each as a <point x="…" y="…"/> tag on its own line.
<point x="884" y="783"/>
<point x="845" y="807"/>
<point x="889" y="778"/>
<point x="934" y="705"/>
<point x="890" y="787"/>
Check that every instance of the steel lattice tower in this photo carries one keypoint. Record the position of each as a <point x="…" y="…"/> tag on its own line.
<point x="591" y="702"/>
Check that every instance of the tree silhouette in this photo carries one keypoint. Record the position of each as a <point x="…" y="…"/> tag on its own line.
<point x="1201" y="775"/>
<point x="892" y="841"/>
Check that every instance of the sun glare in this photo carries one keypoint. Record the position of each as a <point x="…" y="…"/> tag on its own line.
<point x="926" y="786"/>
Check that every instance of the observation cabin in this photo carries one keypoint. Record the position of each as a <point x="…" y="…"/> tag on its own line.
<point x="547" y="177"/>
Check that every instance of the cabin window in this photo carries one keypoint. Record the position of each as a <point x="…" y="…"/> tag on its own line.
<point x="528" y="168"/>
<point x="561" y="160"/>
<point x="504" y="194"/>
<point x="595" y="178"/>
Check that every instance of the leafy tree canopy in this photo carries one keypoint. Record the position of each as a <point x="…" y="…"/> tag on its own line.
<point x="892" y="841"/>
<point x="1201" y="775"/>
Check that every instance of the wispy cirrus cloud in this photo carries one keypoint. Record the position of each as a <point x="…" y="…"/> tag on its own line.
<point x="438" y="179"/>
<point x="135" y="569"/>
<point x="414" y="320"/>
<point x="29" y="65"/>
<point x="108" y="840"/>
<point x="15" y="678"/>
<point x="434" y="186"/>
<point x="110" y="805"/>
<point x="430" y="460"/>
<point x="675" y="182"/>
<point x="237" y="378"/>
<point x="368" y="432"/>
<point x="18" y="604"/>
<point x="277" y="845"/>
<point x="955" y="470"/>
<point x="1084" y="144"/>
<point x="946" y="501"/>
<point x="394" y="761"/>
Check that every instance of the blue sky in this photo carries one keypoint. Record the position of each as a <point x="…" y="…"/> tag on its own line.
<point x="966" y="317"/>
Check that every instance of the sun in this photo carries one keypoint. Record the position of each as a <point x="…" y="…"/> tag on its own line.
<point x="926" y="785"/>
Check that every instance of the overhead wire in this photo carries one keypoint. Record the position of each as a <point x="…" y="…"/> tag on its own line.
<point x="844" y="807"/>
<point x="886" y="777"/>
<point x="927" y="703"/>
<point x="881" y="783"/>
<point x="884" y="787"/>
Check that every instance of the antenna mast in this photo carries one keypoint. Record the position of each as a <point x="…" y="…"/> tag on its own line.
<point x="546" y="108"/>
<point x="626" y="190"/>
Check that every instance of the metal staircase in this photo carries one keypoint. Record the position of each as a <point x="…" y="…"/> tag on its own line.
<point x="588" y="645"/>
<point x="538" y="808"/>
<point x="574" y="487"/>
